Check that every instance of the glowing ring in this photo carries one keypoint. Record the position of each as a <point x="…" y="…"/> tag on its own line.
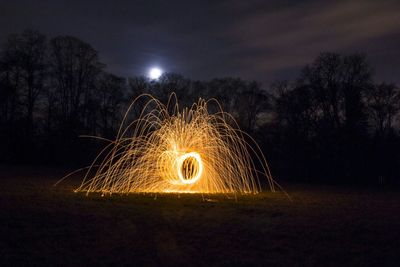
<point x="180" y="161"/>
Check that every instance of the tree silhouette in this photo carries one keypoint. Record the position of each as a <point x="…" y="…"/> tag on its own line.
<point x="383" y="102"/>
<point x="111" y="98"/>
<point x="331" y="124"/>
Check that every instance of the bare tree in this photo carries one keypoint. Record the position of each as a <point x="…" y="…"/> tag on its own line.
<point x="111" y="99"/>
<point x="383" y="102"/>
<point x="324" y="77"/>
<point x="338" y="83"/>
<point x="250" y="103"/>
<point x="74" y="69"/>
<point x="24" y="70"/>
<point x="357" y="79"/>
<point x="138" y="85"/>
<point x="226" y="90"/>
<point x="10" y="80"/>
<point x="169" y="83"/>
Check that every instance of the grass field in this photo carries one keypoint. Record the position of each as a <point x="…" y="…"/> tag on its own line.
<point x="322" y="226"/>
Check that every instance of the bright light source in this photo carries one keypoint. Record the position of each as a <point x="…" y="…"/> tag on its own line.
<point x="181" y="150"/>
<point x="155" y="73"/>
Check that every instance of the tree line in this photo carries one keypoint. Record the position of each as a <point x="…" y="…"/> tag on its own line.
<point x="333" y="123"/>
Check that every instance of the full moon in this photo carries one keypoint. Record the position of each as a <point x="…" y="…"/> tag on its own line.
<point x="155" y="73"/>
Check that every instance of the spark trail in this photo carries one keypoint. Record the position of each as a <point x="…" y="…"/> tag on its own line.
<point x="169" y="149"/>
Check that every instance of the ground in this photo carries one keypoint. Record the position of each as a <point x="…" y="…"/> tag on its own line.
<point x="321" y="226"/>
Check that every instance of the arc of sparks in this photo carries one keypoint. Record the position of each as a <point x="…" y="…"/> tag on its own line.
<point x="168" y="149"/>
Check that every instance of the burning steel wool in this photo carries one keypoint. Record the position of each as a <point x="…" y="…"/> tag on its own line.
<point x="168" y="149"/>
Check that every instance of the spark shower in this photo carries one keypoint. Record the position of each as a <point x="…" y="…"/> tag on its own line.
<point x="161" y="147"/>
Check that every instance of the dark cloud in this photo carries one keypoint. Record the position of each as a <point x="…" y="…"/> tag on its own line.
<point x="256" y="39"/>
<point x="291" y="36"/>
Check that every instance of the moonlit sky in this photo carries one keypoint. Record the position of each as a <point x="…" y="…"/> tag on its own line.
<point x="252" y="39"/>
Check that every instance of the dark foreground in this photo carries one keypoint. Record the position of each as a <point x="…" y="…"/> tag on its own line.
<point x="323" y="226"/>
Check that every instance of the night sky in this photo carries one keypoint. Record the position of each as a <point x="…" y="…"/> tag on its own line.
<point x="250" y="39"/>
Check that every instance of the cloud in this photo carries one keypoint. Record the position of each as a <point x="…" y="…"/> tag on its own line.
<point x="291" y="36"/>
<point x="252" y="39"/>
